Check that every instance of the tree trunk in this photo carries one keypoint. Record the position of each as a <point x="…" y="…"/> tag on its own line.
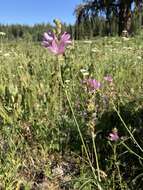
<point x="140" y="9"/>
<point x="125" y="18"/>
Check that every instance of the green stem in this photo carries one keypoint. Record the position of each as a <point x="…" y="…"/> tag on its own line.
<point x="132" y="137"/>
<point x="131" y="151"/>
<point x="96" y="157"/>
<point x="116" y="164"/>
<point x="78" y="128"/>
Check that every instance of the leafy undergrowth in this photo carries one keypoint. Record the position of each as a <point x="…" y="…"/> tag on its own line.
<point x="40" y="147"/>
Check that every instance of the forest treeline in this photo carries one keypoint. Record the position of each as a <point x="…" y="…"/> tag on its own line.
<point x="87" y="29"/>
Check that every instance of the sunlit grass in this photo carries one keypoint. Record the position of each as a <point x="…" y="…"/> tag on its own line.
<point x="29" y="138"/>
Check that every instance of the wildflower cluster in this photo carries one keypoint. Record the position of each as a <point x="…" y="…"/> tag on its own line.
<point x="96" y="98"/>
<point x="55" y="45"/>
<point x="56" y="41"/>
<point x="93" y="85"/>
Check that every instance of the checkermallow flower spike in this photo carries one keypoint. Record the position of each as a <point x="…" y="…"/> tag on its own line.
<point x="54" y="44"/>
<point x="93" y="84"/>
<point x="114" y="135"/>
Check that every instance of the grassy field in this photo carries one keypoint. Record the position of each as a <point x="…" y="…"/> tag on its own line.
<point x="43" y="123"/>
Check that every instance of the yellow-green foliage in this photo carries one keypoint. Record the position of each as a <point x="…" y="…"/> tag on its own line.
<point x="28" y="127"/>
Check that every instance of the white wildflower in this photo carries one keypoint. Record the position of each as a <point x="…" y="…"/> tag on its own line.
<point x="2" y="33"/>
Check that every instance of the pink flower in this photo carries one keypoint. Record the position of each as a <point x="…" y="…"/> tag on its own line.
<point x="114" y="135"/>
<point x="55" y="45"/>
<point x="108" y="78"/>
<point x="93" y="84"/>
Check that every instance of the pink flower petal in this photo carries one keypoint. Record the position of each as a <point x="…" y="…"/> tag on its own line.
<point x="113" y="136"/>
<point x="108" y="78"/>
<point x="54" y="45"/>
<point x="93" y="84"/>
<point x="61" y="49"/>
<point x="45" y="43"/>
<point x="48" y="37"/>
<point x="65" y="38"/>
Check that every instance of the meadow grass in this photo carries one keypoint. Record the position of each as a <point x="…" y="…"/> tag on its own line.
<point x="36" y="131"/>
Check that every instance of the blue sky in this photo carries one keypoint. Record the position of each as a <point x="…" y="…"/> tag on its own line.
<point x="37" y="11"/>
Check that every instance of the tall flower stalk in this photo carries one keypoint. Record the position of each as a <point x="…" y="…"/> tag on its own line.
<point x="56" y="43"/>
<point x="92" y="86"/>
<point x="82" y="140"/>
